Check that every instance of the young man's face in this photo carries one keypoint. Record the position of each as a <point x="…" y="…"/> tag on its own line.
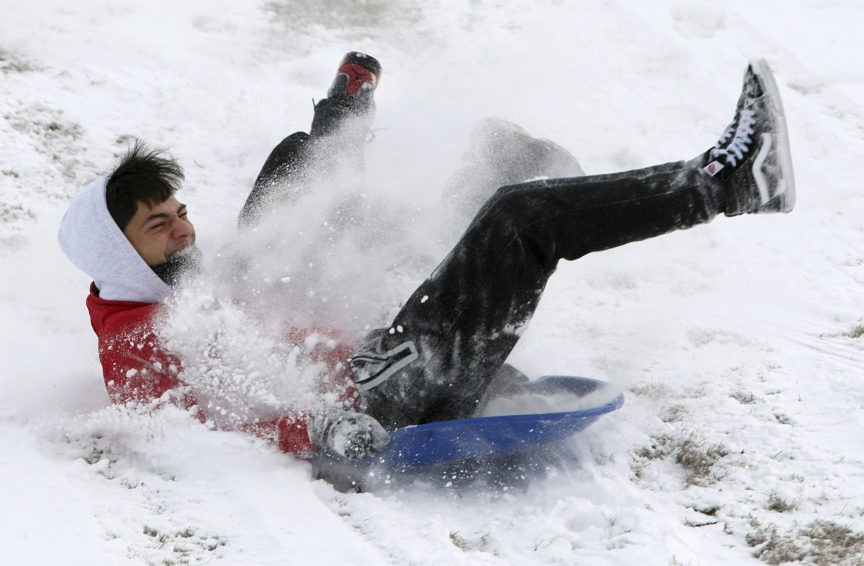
<point x="161" y="232"/>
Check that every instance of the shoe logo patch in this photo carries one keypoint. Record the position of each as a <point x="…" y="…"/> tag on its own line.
<point x="713" y="168"/>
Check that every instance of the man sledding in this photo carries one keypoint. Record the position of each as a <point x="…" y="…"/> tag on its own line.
<point x="448" y="343"/>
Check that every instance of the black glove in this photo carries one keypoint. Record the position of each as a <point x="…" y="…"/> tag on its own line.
<point x="350" y="435"/>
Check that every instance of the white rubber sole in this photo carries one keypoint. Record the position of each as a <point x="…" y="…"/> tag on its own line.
<point x="786" y="180"/>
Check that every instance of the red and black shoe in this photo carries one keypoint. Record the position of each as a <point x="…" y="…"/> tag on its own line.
<point x="356" y="79"/>
<point x="350" y="96"/>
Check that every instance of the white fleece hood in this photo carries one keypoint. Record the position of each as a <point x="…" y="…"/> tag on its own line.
<point x="94" y="243"/>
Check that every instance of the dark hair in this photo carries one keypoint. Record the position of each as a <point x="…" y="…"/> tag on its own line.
<point x="142" y="175"/>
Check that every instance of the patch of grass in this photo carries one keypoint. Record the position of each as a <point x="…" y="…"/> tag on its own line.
<point x="710" y="510"/>
<point x="184" y="544"/>
<point x="772" y="547"/>
<point x="693" y="455"/>
<point x="479" y="543"/>
<point x="650" y="390"/>
<point x="821" y="543"/>
<point x="58" y="140"/>
<point x="782" y="418"/>
<point x="657" y="450"/>
<point x="9" y="63"/>
<point x="834" y="544"/>
<point x="778" y="504"/>
<point x="458" y="541"/>
<point x="674" y="414"/>
<point x="744" y="398"/>
<point x="47" y="124"/>
<point x="10" y="213"/>
<point x="699" y="459"/>
<point x="375" y="14"/>
<point x="857" y="331"/>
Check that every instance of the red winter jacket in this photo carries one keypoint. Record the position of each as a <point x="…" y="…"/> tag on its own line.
<point x="137" y="369"/>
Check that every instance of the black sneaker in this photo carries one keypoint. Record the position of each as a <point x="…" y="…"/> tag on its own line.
<point x="350" y="96"/>
<point x="752" y="156"/>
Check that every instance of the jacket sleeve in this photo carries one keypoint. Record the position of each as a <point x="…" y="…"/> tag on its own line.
<point x="137" y="369"/>
<point x="330" y="348"/>
<point x="289" y="434"/>
<point x="322" y="345"/>
<point x="134" y="366"/>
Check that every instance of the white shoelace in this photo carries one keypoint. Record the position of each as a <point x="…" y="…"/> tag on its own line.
<point x="741" y="141"/>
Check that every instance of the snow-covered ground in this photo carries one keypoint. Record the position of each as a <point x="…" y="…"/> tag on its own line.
<point x="738" y="344"/>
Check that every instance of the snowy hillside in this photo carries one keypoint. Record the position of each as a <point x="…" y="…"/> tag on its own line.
<point x="739" y="345"/>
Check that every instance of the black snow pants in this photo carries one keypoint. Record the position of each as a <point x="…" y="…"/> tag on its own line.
<point x="446" y="344"/>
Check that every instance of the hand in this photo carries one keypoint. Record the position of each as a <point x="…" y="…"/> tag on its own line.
<point x="350" y="435"/>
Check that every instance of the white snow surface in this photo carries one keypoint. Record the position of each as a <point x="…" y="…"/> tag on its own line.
<point x="738" y="344"/>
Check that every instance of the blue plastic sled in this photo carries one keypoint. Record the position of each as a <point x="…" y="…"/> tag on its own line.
<point x="502" y="450"/>
<point x="491" y="437"/>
